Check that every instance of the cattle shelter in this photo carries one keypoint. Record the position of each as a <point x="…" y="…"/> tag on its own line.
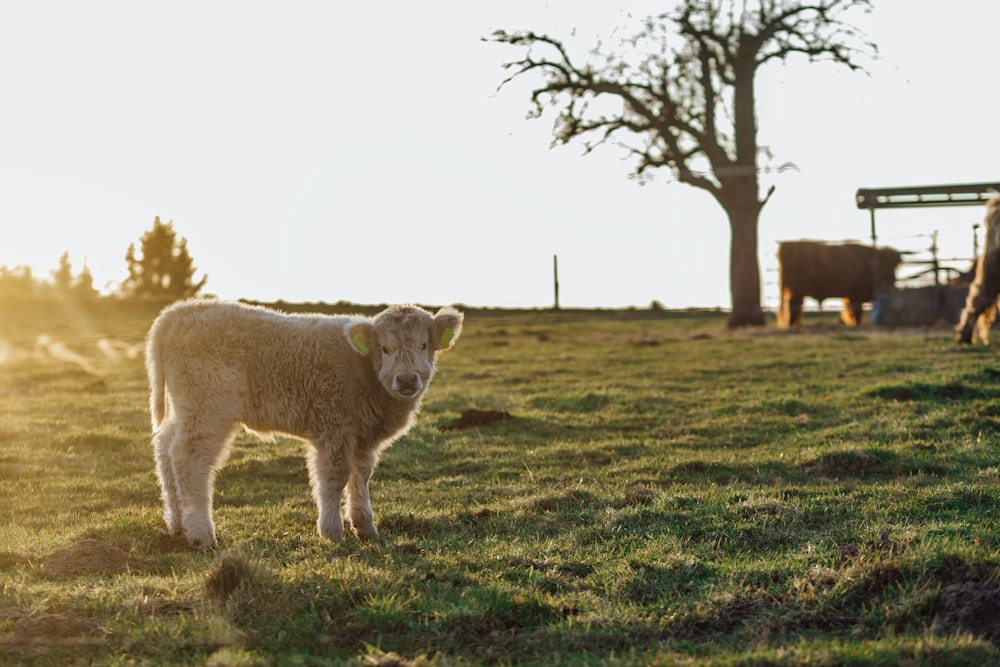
<point x="940" y="300"/>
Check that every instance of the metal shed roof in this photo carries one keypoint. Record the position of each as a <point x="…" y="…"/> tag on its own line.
<point x="963" y="194"/>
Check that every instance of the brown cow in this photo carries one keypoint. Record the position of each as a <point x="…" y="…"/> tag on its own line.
<point x="823" y="270"/>
<point x="981" y="303"/>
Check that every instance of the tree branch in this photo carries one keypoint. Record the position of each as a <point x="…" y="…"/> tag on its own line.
<point x="814" y="31"/>
<point x="646" y="111"/>
<point x="676" y="100"/>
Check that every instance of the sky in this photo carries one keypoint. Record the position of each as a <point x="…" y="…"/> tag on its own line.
<point x="316" y="151"/>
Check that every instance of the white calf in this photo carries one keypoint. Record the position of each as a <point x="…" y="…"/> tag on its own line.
<point x="349" y="386"/>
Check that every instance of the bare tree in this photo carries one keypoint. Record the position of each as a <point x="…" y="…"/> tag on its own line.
<point x="680" y="94"/>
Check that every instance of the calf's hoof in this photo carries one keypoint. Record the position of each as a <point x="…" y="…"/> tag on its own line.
<point x="202" y="543"/>
<point x="366" y="532"/>
<point x="332" y="533"/>
<point x="174" y="526"/>
<point x="201" y="540"/>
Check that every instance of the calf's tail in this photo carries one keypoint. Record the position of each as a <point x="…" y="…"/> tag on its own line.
<point x="157" y="388"/>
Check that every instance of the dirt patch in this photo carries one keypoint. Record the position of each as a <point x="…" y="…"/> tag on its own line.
<point x="89" y="557"/>
<point x="11" y="614"/>
<point x="227" y="576"/>
<point x="9" y="560"/>
<point x="474" y="418"/>
<point x="54" y="628"/>
<point x="970" y="607"/>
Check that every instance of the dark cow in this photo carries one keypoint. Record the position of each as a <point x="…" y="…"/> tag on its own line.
<point x="849" y="271"/>
<point x="981" y="303"/>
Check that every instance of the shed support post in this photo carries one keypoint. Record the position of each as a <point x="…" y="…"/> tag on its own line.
<point x="877" y="299"/>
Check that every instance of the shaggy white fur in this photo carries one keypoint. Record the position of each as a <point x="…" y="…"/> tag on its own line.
<point x="349" y="386"/>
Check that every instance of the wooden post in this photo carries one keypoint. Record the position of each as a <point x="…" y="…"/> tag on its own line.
<point x="938" y="292"/>
<point x="876" y="305"/>
<point x="555" y="277"/>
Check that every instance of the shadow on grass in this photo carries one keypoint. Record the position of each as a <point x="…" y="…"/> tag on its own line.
<point x="334" y="614"/>
<point x="869" y="463"/>
<point x="979" y="384"/>
<point x="250" y="481"/>
<point x="475" y="609"/>
<point x="700" y="473"/>
<point x="859" y="464"/>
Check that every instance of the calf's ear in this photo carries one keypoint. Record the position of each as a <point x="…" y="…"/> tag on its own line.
<point x="446" y="328"/>
<point x="361" y="336"/>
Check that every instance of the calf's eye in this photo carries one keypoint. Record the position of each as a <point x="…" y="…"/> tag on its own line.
<point x="385" y="350"/>
<point x="424" y="346"/>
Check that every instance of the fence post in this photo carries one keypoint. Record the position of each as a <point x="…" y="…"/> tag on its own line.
<point x="555" y="277"/>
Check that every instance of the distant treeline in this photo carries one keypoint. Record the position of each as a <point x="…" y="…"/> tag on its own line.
<point x="161" y="268"/>
<point x="21" y="282"/>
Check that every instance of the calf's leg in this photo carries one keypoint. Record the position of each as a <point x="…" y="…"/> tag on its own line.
<point x="359" y="506"/>
<point x="329" y="469"/>
<point x="163" y="442"/>
<point x="197" y="455"/>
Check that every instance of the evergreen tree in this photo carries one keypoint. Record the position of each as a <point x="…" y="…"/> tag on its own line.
<point x="163" y="267"/>
<point x="62" y="277"/>
<point x="83" y="287"/>
<point x="18" y="281"/>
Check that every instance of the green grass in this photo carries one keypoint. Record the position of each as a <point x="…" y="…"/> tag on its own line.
<point x="664" y="493"/>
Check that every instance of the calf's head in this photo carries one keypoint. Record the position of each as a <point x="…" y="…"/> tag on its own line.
<point x="403" y="342"/>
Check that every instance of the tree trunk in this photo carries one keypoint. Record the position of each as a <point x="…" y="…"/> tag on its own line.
<point x="741" y="201"/>
<point x="744" y="268"/>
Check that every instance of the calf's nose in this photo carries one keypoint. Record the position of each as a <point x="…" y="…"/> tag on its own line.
<point x="408" y="381"/>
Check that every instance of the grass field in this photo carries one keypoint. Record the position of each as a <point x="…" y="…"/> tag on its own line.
<point x="664" y="493"/>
